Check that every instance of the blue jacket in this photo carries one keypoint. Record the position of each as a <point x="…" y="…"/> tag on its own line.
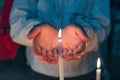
<point x="92" y="15"/>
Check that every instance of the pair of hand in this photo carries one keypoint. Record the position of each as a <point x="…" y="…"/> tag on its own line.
<point x="45" y="43"/>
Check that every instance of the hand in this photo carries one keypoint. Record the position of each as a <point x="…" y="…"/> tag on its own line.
<point x="45" y="43"/>
<point x="73" y="42"/>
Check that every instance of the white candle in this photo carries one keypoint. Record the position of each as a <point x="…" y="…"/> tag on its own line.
<point x="98" y="71"/>
<point x="61" y="66"/>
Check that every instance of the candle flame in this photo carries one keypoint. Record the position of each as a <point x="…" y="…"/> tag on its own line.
<point x="98" y="63"/>
<point x="59" y="33"/>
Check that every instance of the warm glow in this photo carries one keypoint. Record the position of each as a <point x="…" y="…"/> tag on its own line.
<point x="98" y="63"/>
<point x="59" y="33"/>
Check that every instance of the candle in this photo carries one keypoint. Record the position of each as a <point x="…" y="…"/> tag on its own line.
<point x="98" y="71"/>
<point x="61" y="66"/>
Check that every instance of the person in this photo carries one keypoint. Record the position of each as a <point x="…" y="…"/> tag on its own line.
<point x="85" y="25"/>
<point x="8" y="48"/>
<point x="10" y="52"/>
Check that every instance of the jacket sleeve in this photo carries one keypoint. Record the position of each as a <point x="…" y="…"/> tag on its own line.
<point x="23" y="18"/>
<point x="96" y="24"/>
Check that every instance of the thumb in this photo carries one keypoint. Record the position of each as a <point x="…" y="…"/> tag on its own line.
<point x="33" y="33"/>
<point x="82" y="35"/>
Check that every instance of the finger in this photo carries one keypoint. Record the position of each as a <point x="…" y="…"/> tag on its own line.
<point x="47" y="59"/>
<point x="70" y="55"/>
<point x="33" y="33"/>
<point x="55" y="55"/>
<point x="66" y="56"/>
<point x="82" y="35"/>
<point x="36" y="47"/>
<point x="50" y="58"/>
<point x="37" y="51"/>
<point x="82" y="47"/>
<point x="44" y="53"/>
<point x="74" y="50"/>
<point x="79" y="46"/>
<point x="39" y="56"/>
<point x="43" y="61"/>
<point x="50" y="55"/>
<point x="64" y="53"/>
<point x="80" y="50"/>
<point x="70" y="52"/>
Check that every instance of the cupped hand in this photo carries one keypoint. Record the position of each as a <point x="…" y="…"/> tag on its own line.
<point x="45" y="43"/>
<point x="73" y="42"/>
